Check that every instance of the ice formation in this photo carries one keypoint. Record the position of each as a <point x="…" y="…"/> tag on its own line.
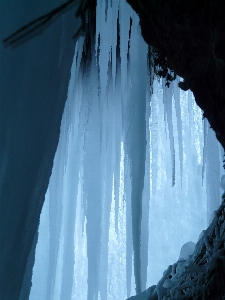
<point x="222" y="182"/>
<point x="201" y="274"/>
<point x="128" y="185"/>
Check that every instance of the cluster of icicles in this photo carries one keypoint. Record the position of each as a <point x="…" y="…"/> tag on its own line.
<point x="129" y="174"/>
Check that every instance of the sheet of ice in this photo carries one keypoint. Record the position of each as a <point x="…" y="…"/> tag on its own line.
<point x="212" y="169"/>
<point x="222" y="182"/>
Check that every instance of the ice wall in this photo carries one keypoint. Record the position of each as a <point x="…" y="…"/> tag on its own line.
<point x="126" y="190"/>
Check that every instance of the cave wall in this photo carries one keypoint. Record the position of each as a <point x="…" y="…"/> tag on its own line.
<point x="190" y="34"/>
<point x="34" y="80"/>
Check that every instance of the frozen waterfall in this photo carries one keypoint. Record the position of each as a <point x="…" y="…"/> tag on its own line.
<point x="136" y="174"/>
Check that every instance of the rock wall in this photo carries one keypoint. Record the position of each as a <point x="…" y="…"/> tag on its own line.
<point x="191" y="35"/>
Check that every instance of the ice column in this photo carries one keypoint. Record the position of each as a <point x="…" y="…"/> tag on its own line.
<point x="136" y="138"/>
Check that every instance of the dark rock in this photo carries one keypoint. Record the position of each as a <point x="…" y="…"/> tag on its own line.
<point x="190" y="34"/>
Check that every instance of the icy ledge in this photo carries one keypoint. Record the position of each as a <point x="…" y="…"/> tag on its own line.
<point x="202" y="274"/>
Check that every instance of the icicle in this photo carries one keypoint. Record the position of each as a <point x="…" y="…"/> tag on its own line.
<point x="129" y="246"/>
<point x="93" y="191"/>
<point x="40" y="269"/>
<point x="136" y="138"/>
<point x="145" y="207"/>
<point x="117" y="142"/>
<point x="108" y="158"/>
<point x="106" y="207"/>
<point x="167" y="100"/>
<point x="190" y="113"/>
<point x="154" y="136"/>
<point x="125" y="15"/>
<point x="76" y="62"/>
<point x="55" y="222"/>
<point x="104" y="47"/>
<point x="115" y="42"/>
<point x="70" y="202"/>
<point x="176" y="92"/>
<point x="117" y="171"/>
<point x="204" y="147"/>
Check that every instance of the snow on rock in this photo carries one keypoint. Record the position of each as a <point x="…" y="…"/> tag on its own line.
<point x="186" y="250"/>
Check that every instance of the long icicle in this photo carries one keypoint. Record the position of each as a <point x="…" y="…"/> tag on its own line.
<point x="136" y="138"/>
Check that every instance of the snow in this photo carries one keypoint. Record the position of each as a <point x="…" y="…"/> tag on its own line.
<point x="126" y="190"/>
<point x="186" y="250"/>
